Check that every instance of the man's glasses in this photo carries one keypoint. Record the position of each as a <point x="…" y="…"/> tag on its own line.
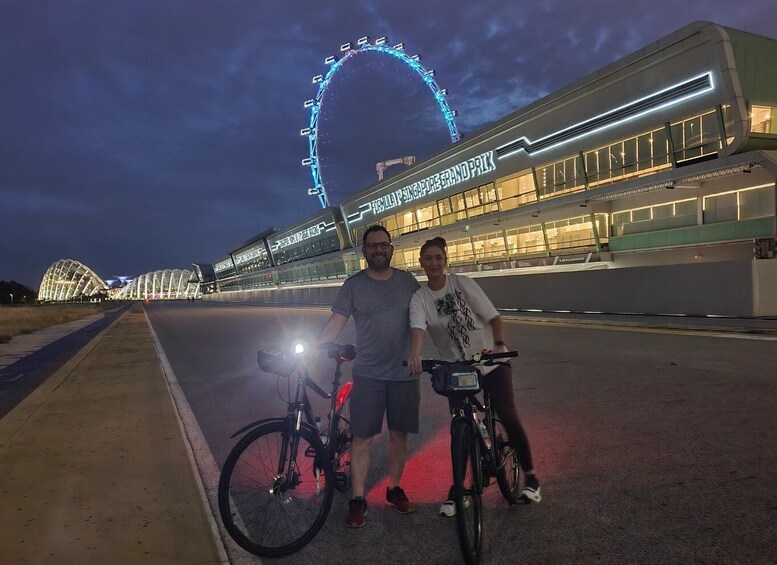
<point x="385" y="246"/>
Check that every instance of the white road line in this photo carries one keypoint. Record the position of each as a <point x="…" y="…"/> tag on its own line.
<point x="204" y="466"/>
<point x="721" y="333"/>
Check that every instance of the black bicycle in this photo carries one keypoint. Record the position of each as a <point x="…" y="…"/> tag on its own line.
<point x="480" y="450"/>
<point x="277" y="483"/>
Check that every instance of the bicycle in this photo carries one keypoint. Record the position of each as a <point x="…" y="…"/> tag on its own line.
<point x="480" y="450"/>
<point x="277" y="483"/>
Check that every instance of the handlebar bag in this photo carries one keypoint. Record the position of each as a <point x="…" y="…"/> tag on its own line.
<point x="455" y="377"/>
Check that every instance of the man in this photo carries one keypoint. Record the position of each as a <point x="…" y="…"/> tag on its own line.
<point x="378" y="298"/>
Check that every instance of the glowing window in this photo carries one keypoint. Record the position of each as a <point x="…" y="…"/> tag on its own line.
<point x="761" y="119"/>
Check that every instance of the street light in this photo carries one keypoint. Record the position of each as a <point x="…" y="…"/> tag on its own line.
<point x="11" y="298"/>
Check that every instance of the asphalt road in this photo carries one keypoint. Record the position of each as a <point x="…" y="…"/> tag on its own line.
<point x="652" y="446"/>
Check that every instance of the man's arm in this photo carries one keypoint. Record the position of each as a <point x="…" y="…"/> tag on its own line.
<point x="416" y="341"/>
<point x="332" y="328"/>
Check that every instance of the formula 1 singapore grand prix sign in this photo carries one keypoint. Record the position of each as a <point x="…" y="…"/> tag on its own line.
<point x="471" y="168"/>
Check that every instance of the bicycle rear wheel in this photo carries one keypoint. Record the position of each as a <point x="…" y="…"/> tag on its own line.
<point x="508" y="463"/>
<point x="341" y="456"/>
<point x="467" y="489"/>
<point x="273" y="501"/>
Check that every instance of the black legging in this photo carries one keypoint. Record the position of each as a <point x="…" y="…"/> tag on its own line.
<point x="499" y="384"/>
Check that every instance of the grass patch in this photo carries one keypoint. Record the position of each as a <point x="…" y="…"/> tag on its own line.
<point x="25" y="319"/>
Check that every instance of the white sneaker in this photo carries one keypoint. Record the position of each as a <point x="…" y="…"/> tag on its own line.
<point x="531" y="491"/>
<point x="448" y="508"/>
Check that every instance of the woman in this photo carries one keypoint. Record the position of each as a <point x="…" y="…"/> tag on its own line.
<point x="462" y="321"/>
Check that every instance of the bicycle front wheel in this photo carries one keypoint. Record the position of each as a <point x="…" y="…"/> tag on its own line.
<point x="467" y="489"/>
<point x="273" y="499"/>
<point x="507" y="461"/>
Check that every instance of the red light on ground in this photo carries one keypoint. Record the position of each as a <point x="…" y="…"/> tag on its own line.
<point x="427" y="475"/>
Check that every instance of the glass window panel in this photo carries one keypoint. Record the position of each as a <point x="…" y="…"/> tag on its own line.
<point x="692" y="132"/>
<point x="390" y="223"/>
<point x="722" y="208"/>
<point x="446" y="211"/>
<point x="710" y="135"/>
<point x="406" y="222"/>
<point x="545" y="180"/>
<point x="756" y="203"/>
<point x="457" y="203"/>
<point x="644" y="151"/>
<point x="489" y="246"/>
<point x="576" y="232"/>
<point x="640" y="215"/>
<point x="630" y="155"/>
<point x="427" y="216"/>
<point x="525" y="240"/>
<point x="660" y="147"/>
<point x="685" y="208"/>
<point x="603" y="157"/>
<point x="513" y="191"/>
<point x="460" y="251"/>
<point x="592" y="166"/>
<point x="761" y="119"/>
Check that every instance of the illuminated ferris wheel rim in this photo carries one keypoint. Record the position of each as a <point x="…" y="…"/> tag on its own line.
<point x="335" y="63"/>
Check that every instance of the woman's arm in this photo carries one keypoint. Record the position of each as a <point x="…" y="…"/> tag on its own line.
<point x="499" y="338"/>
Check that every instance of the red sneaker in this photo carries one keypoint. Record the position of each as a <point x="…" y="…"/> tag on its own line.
<point x="357" y="510"/>
<point x="397" y="498"/>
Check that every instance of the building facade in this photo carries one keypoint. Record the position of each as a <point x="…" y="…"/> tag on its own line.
<point x="662" y="163"/>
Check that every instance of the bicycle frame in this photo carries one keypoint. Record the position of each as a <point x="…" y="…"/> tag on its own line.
<point x="468" y="408"/>
<point x="301" y="404"/>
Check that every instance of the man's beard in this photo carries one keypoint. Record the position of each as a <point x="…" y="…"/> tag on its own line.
<point x="382" y="263"/>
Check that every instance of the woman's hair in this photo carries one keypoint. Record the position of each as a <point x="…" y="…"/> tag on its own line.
<point x="435" y="242"/>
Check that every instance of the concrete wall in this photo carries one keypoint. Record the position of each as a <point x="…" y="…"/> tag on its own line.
<point x="707" y="288"/>
<point x="731" y="288"/>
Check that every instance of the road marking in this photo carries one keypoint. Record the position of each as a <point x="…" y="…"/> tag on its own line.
<point x="733" y="334"/>
<point x="204" y="467"/>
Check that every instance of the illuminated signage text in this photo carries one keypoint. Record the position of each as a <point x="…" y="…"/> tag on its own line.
<point x="471" y="168"/>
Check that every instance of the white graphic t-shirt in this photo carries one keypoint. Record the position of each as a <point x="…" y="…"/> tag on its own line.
<point x="456" y="317"/>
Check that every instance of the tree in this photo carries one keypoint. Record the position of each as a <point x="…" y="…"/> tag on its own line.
<point x="16" y="293"/>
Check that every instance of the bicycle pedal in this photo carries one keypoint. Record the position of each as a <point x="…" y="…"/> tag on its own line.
<point x="342" y="480"/>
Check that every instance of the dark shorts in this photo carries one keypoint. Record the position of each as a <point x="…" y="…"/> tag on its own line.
<point x="372" y="398"/>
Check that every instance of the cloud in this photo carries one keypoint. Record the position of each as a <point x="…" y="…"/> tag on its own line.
<point x="143" y="134"/>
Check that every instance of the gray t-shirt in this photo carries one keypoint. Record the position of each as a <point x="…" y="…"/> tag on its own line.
<point x="380" y="310"/>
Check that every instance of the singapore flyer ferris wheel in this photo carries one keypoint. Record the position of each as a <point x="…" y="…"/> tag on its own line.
<point x="335" y="63"/>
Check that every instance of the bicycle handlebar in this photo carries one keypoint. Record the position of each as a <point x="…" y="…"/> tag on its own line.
<point x="278" y="362"/>
<point x="487" y="359"/>
<point x="344" y="352"/>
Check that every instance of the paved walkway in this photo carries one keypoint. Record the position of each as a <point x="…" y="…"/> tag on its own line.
<point x="25" y="344"/>
<point x="93" y="464"/>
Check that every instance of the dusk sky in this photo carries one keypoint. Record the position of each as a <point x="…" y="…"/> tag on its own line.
<point x="139" y="135"/>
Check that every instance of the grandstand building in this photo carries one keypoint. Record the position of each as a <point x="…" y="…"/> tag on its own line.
<point x="647" y="186"/>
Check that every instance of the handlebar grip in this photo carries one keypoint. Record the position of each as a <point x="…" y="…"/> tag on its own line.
<point x="346" y="352"/>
